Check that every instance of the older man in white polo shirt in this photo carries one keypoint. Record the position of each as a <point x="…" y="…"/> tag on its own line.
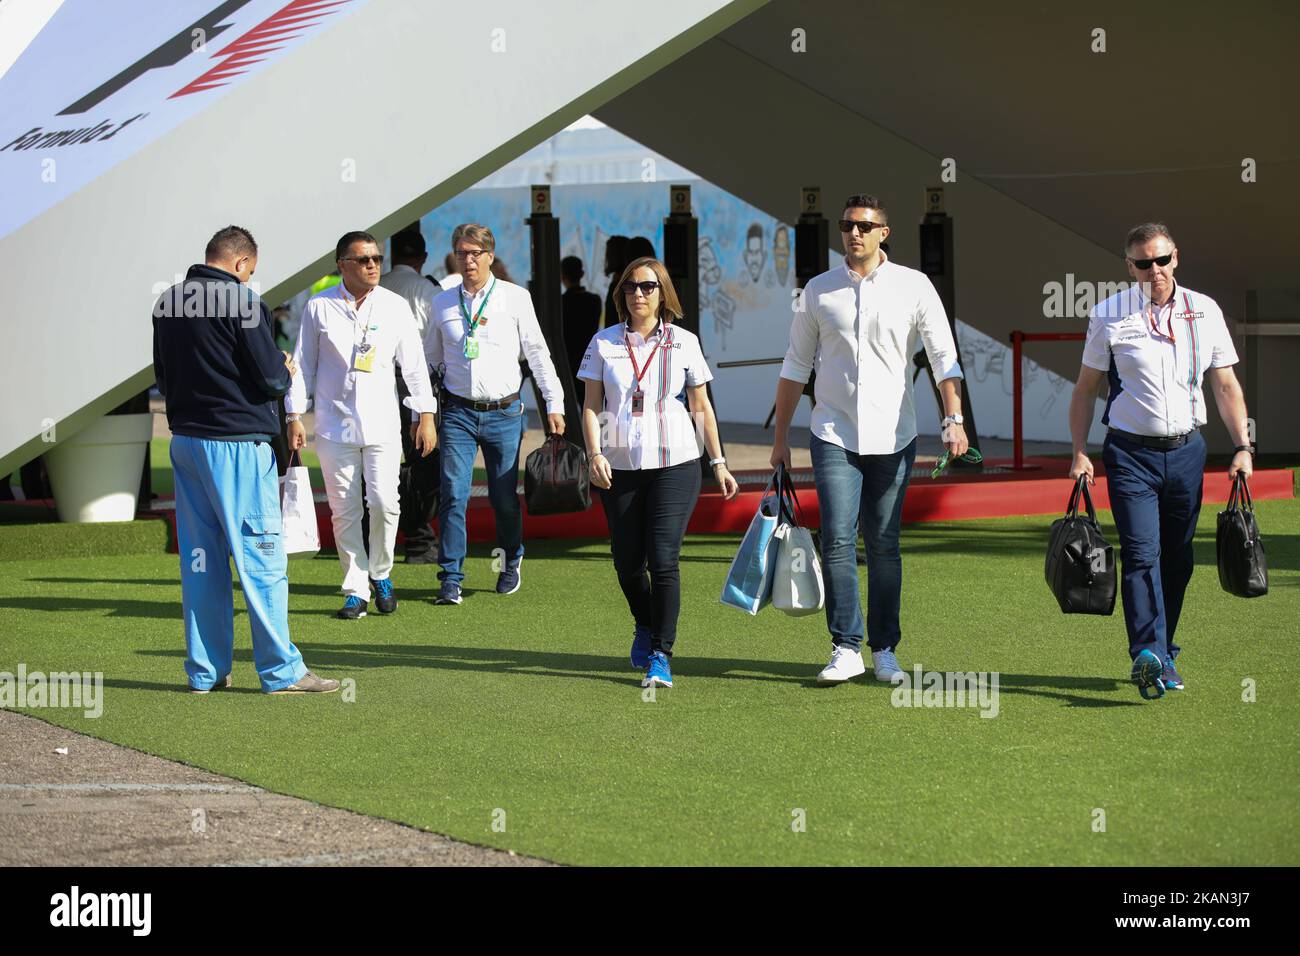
<point x="478" y="332"/>
<point x="351" y="336"/>
<point x="1155" y="343"/>
<point x="857" y="327"/>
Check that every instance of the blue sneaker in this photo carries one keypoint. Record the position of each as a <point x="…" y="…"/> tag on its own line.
<point x="449" y="593"/>
<point x="352" y="609"/>
<point x="1172" y="679"/>
<point x="1146" y="674"/>
<point x="508" y="580"/>
<point x="640" y="648"/>
<point x="385" y="599"/>
<point x="659" y="672"/>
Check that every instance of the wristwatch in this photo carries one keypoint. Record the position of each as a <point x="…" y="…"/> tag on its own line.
<point x="293" y="418"/>
<point x="1249" y="448"/>
<point x="714" y="462"/>
<point x="952" y="420"/>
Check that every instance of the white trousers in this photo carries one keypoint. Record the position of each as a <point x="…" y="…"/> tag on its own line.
<point x="343" y="466"/>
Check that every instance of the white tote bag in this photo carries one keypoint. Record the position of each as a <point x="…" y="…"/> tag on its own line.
<point x="298" y="509"/>
<point x="797" y="587"/>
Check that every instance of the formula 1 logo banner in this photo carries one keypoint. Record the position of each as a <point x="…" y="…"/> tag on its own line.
<point x="102" y="80"/>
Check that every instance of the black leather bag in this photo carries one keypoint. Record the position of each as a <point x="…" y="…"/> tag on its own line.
<point x="1080" y="566"/>
<point x="556" y="479"/>
<point x="1238" y="546"/>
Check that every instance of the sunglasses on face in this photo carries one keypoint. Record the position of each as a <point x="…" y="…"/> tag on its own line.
<point x="647" y="288"/>
<point x="1143" y="264"/>
<point x="864" y="225"/>
<point x="365" y="260"/>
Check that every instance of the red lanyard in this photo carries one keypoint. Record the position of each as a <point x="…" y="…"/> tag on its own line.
<point x="1155" y="317"/>
<point x="640" y="372"/>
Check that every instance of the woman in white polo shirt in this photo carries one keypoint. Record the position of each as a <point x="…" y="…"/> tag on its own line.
<point x="643" y="450"/>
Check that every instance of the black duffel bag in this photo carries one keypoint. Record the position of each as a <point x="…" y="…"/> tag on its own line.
<point x="1080" y="566"/>
<point x="556" y="480"/>
<point x="1238" y="546"/>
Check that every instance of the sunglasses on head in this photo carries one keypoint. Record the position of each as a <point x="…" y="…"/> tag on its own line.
<point x="864" y="225"/>
<point x="647" y="288"/>
<point x="365" y="260"/>
<point x="1143" y="264"/>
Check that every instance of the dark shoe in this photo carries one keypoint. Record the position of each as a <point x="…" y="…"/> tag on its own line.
<point x="449" y="593"/>
<point x="508" y="580"/>
<point x="352" y="608"/>
<point x="385" y="599"/>
<point x="640" y="655"/>
<point x="309" y="683"/>
<point x="1171" y="677"/>
<point x="425" y="557"/>
<point x="219" y="685"/>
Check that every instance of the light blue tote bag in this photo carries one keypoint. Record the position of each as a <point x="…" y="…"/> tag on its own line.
<point x="749" y="582"/>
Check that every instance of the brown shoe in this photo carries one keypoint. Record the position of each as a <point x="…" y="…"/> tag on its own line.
<point x="309" y="684"/>
<point x="219" y="685"/>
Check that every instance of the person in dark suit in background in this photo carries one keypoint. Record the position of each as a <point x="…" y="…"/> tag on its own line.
<point x="581" y="312"/>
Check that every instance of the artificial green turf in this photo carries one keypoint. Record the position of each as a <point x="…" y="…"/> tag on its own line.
<point x="526" y="704"/>
<point x="48" y="540"/>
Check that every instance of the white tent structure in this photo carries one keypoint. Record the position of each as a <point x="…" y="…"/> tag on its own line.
<point x="130" y="131"/>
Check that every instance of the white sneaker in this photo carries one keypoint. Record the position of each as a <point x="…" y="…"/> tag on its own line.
<point x="845" y="663"/>
<point x="886" y="665"/>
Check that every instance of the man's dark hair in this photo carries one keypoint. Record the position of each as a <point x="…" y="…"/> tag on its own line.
<point x="230" y="243"/>
<point x="1144" y="233"/>
<point x="863" y="201"/>
<point x="639" y="247"/>
<point x="345" y="243"/>
<point x="409" y="245"/>
<point x="571" y="268"/>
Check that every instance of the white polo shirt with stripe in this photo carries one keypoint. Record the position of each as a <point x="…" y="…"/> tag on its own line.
<point x="1155" y="358"/>
<point x="664" y="434"/>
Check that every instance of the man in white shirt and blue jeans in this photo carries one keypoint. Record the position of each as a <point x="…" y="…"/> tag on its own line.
<point x="477" y="333"/>
<point x="351" y="336"/>
<point x="1156" y="343"/>
<point x="857" y="326"/>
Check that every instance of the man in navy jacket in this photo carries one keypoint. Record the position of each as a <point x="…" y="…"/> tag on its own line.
<point x="217" y="365"/>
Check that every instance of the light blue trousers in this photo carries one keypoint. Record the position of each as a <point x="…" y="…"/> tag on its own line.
<point x="228" y="503"/>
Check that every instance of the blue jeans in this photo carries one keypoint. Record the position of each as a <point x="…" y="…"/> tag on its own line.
<point x="228" y="504"/>
<point x="1156" y="498"/>
<point x="463" y="432"/>
<point x="861" y="493"/>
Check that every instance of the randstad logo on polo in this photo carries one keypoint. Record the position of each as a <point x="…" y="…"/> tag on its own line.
<point x="947" y="689"/>
<point x="103" y="909"/>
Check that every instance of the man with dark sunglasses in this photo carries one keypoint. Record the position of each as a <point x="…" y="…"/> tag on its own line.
<point x="351" y="338"/>
<point x="1155" y="344"/>
<point x="858" y="326"/>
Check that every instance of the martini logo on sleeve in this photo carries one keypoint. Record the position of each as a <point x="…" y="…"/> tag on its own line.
<point x="106" y="80"/>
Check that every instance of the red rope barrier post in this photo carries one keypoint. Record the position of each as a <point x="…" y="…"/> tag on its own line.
<point x="1018" y="339"/>
<point x="1017" y="407"/>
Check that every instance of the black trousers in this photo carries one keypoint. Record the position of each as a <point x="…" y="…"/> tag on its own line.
<point x="647" y="512"/>
<point x="418" y="484"/>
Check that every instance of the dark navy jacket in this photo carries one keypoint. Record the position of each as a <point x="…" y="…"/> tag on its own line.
<point x="215" y="359"/>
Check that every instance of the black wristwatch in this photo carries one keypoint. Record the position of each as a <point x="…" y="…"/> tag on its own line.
<point x="1249" y="448"/>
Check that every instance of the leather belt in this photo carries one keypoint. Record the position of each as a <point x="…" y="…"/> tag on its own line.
<point x="1150" y="441"/>
<point x="480" y="406"/>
